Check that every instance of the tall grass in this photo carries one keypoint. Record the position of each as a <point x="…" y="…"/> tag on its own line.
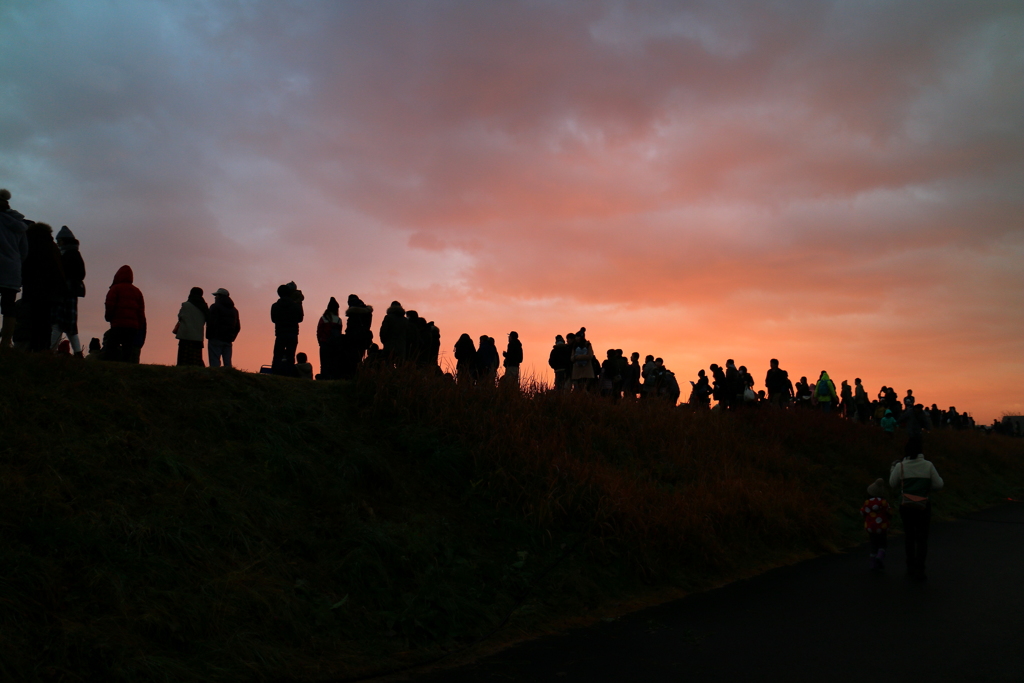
<point x="193" y="524"/>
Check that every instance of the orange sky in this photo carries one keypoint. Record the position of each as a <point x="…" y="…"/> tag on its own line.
<point x="839" y="185"/>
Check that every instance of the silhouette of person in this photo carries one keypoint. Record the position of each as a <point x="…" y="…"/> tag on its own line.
<point x="487" y="361"/>
<point x="358" y="332"/>
<point x="825" y="392"/>
<point x="286" y="313"/>
<point x="43" y="284"/>
<point x="192" y="318"/>
<point x="700" y="394"/>
<point x="13" y="252"/>
<point x="125" y="310"/>
<point x="65" y="311"/>
<point x="917" y="479"/>
<point x="465" y="359"/>
<point x="778" y="385"/>
<point x="330" y="340"/>
<point x="394" y="334"/>
<point x="633" y="371"/>
<point x="303" y="368"/>
<point x="582" y="362"/>
<point x="222" y="328"/>
<point x="559" y="360"/>
<point x="513" y="358"/>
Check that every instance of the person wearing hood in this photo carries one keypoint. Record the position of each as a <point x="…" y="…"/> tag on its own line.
<point x="330" y="338"/>
<point x="433" y="349"/>
<point x="825" y="392"/>
<point x="125" y="310"/>
<point x="43" y="281"/>
<point x="559" y="361"/>
<point x="487" y="361"/>
<point x="358" y="332"/>
<point x="65" y="310"/>
<point x="465" y="358"/>
<point x="700" y="393"/>
<point x="222" y="328"/>
<point x="192" y="317"/>
<point x="286" y="313"/>
<point x="513" y="358"/>
<point x="582" y="357"/>
<point x="888" y="423"/>
<point x="13" y="252"/>
<point x="394" y="334"/>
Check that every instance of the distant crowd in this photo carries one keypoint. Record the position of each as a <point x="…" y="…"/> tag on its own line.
<point x="49" y="273"/>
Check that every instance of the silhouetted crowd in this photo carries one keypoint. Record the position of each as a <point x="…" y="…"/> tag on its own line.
<point x="49" y="272"/>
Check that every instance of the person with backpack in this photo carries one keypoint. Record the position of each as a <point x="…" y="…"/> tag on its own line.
<point x="780" y="389"/>
<point x="65" y="309"/>
<point x="916" y="479"/>
<point x="222" y="328"/>
<point x="825" y="392"/>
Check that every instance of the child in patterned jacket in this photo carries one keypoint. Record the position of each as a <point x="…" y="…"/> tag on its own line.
<point x="877" y="514"/>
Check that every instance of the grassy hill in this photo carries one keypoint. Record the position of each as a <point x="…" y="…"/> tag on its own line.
<point x="192" y="524"/>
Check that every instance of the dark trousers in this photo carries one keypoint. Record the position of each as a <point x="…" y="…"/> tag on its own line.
<point x="40" y="327"/>
<point x="877" y="541"/>
<point x="119" y="344"/>
<point x="916" y="522"/>
<point x="284" y="354"/>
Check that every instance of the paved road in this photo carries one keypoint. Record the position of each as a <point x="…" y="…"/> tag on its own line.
<point x="827" y="619"/>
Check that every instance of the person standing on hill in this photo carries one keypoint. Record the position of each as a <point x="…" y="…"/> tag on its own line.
<point x="860" y="401"/>
<point x="631" y="387"/>
<point x="44" y="285"/>
<point x="908" y="400"/>
<point x="13" y="252"/>
<point x="465" y="359"/>
<point x="359" y="331"/>
<point x="845" y="400"/>
<point x="917" y="423"/>
<point x="513" y="358"/>
<point x="394" y="331"/>
<point x="413" y="337"/>
<point x="700" y="394"/>
<point x="192" y="317"/>
<point x="125" y="310"/>
<point x="65" y="310"/>
<point x="776" y="382"/>
<point x="582" y="362"/>
<point x="329" y="337"/>
<point x="917" y="479"/>
<point x="222" y="329"/>
<point x="286" y="313"/>
<point x="487" y="361"/>
<point x="432" y="357"/>
<point x="803" y="393"/>
<point x="825" y="392"/>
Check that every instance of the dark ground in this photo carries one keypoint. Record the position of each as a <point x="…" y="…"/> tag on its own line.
<point x="827" y="619"/>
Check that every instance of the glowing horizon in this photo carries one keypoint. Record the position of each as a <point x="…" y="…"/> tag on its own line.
<point x="837" y="185"/>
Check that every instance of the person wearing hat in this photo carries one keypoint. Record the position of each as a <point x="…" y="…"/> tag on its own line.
<point x="222" y="328"/>
<point x="513" y="358"/>
<point x="331" y="340"/>
<point x="65" y="309"/>
<point x="559" y="361"/>
<point x="877" y="515"/>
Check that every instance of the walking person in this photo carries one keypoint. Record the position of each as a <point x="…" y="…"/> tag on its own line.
<point x="916" y="479"/>
<point x="192" y="317"/>
<point x="512" y="359"/>
<point x="877" y="515"/>
<point x="65" y="310"/>
<point x="222" y="328"/>
<point x="286" y="313"/>
<point x="125" y="310"/>
<point x="13" y="252"/>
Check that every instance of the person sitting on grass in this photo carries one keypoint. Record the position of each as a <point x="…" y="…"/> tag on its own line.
<point x="95" y="350"/>
<point x="877" y="514"/>
<point x="303" y="368"/>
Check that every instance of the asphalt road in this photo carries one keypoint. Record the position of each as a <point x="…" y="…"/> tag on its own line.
<point x="826" y="619"/>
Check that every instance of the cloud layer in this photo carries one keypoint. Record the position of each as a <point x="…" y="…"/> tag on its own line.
<point x="835" y="184"/>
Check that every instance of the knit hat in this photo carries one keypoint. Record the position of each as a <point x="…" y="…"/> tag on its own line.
<point x="877" y="490"/>
<point x="65" y="234"/>
<point x="221" y="292"/>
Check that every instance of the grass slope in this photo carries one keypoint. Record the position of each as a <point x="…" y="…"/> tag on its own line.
<point x="182" y="523"/>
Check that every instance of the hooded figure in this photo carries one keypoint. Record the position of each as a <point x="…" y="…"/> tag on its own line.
<point x="13" y="252"/>
<point x="359" y="332"/>
<point x="825" y="392"/>
<point x="222" y="328"/>
<point x="487" y="361"/>
<point x="125" y="310"/>
<point x="560" y="360"/>
<point x="65" y="310"/>
<point x="286" y="313"/>
<point x="192" y="318"/>
<point x="330" y="339"/>
<point x="465" y="358"/>
<point x="394" y="331"/>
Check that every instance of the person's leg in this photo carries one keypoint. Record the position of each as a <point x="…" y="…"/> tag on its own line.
<point x="76" y="344"/>
<point x="39" y="323"/>
<point x="213" y="350"/>
<point x="182" y="353"/>
<point x="7" y="299"/>
<point x="55" y="335"/>
<point x="924" y="526"/>
<point x="225" y="352"/>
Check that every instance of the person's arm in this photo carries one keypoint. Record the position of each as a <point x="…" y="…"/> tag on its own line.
<point x="109" y="304"/>
<point x="937" y="482"/>
<point x="896" y="474"/>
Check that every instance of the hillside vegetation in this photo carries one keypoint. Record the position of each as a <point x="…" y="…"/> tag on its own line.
<point x="176" y="524"/>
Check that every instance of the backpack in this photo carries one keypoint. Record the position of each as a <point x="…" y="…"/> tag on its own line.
<point x="823" y="390"/>
<point x="909" y="500"/>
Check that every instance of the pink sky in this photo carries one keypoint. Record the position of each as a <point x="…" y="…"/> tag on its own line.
<point x="839" y="185"/>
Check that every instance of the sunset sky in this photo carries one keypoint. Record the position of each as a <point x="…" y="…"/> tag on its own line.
<point x="839" y="185"/>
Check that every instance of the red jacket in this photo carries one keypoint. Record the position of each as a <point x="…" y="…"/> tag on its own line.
<point x="125" y="306"/>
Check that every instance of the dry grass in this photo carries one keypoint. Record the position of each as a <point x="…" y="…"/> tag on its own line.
<point x="192" y="524"/>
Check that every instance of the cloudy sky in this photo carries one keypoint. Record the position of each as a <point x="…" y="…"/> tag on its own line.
<point x="836" y="184"/>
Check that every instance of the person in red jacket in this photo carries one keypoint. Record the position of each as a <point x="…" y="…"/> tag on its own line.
<point x="126" y="313"/>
